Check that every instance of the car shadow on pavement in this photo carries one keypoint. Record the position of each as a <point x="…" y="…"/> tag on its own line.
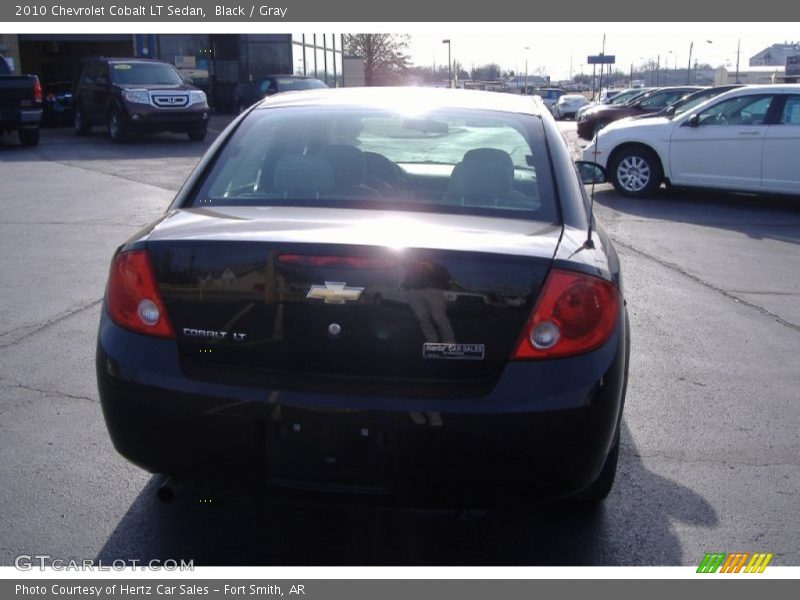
<point x="633" y="527"/>
<point x="757" y="216"/>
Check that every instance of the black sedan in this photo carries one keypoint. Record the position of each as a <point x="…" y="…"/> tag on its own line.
<point x="391" y="294"/>
<point x="246" y="94"/>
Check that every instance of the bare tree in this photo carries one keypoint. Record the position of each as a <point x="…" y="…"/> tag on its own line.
<point x="384" y="54"/>
<point x="489" y="72"/>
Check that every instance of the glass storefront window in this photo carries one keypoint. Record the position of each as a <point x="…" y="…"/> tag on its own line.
<point x="267" y="58"/>
<point x="330" y="77"/>
<point x="190" y="53"/>
<point x="298" y="58"/>
<point x="319" y="55"/>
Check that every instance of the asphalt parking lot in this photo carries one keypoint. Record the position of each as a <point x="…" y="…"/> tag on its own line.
<point x="710" y="440"/>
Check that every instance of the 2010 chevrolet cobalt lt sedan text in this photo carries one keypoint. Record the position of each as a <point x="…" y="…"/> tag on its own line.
<point x="393" y="293"/>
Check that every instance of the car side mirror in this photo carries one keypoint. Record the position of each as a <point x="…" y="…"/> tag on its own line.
<point x="102" y="80"/>
<point x="591" y="172"/>
<point x="693" y="121"/>
<point x="670" y="112"/>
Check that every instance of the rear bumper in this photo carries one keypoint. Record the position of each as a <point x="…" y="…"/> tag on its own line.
<point x="544" y="431"/>
<point x="10" y="119"/>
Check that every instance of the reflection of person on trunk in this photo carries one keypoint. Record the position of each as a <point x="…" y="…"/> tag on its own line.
<point x="426" y="282"/>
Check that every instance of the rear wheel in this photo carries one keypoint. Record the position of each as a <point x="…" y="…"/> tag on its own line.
<point x="29" y="137"/>
<point x="116" y="127"/>
<point x="79" y="123"/>
<point x="636" y="172"/>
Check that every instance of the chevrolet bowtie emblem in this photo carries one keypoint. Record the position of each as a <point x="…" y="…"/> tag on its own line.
<point x="335" y="292"/>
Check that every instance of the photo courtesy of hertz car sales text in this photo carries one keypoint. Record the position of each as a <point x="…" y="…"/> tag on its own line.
<point x="377" y="295"/>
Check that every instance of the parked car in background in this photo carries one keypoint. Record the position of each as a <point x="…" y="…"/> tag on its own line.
<point x="619" y="99"/>
<point x="410" y="313"/>
<point x="549" y="96"/>
<point x="568" y="105"/>
<point x="746" y="139"/>
<point x="20" y="104"/>
<point x="689" y="101"/>
<point x="247" y="94"/>
<point x="594" y="119"/>
<point x="57" y="104"/>
<point x="134" y="95"/>
<point x="607" y="94"/>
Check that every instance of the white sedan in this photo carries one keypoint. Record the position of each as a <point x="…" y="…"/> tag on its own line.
<point x="746" y="140"/>
<point x="568" y="105"/>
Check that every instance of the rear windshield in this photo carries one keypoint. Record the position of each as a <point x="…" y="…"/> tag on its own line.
<point x="481" y="162"/>
<point x="144" y="74"/>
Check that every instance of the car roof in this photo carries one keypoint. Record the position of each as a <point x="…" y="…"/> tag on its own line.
<point x="406" y="98"/>
<point x="754" y="89"/>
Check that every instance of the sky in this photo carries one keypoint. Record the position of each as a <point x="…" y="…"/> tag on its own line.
<point x="553" y="47"/>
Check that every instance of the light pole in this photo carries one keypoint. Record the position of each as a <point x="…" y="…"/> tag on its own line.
<point x="738" y="49"/>
<point x="689" y="68"/>
<point x="526" y="70"/>
<point x="449" y="65"/>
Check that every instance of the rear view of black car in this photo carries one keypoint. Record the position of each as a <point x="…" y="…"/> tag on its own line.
<point x="137" y="96"/>
<point x="391" y="294"/>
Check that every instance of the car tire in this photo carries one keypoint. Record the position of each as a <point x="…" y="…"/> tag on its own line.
<point x="29" y="137"/>
<point x="197" y="135"/>
<point x="636" y="172"/>
<point x="79" y="123"/>
<point x="116" y="126"/>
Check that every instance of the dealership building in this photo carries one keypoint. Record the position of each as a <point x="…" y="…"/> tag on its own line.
<point x="213" y="62"/>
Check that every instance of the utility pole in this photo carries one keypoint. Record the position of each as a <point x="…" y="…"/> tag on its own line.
<point x="449" y="65"/>
<point x="738" y="49"/>
<point x="525" y="93"/>
<point x="689" y="68"/>
<point x="658" y="68"/>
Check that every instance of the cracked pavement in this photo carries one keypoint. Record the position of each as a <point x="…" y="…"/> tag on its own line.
<point x="710" y="456"/>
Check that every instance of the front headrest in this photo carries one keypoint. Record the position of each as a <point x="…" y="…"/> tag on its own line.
<point x="303" y="174"/>
<point x="483" y="172"/>
<point x="349" y="166"/>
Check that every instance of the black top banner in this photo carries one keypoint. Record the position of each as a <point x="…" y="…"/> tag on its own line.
<point x="355" y="11"/>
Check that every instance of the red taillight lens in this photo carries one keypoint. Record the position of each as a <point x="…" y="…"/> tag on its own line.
<point x="576" y="313"/>
<point x="133" y="299"/>
<point x="37" y="90"/>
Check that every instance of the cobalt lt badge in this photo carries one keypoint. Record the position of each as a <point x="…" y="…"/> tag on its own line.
<point x="335" y="292"/>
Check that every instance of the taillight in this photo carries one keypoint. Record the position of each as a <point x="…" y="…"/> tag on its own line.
<point x="575" y="313"/>
<point x="37" y="90"/>
<point x="133" y="300"/>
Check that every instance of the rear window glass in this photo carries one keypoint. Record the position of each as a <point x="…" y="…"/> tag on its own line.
<point x="480" y="162"/>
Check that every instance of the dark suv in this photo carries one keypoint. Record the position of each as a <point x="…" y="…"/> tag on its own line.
<point x="137" y="95"/>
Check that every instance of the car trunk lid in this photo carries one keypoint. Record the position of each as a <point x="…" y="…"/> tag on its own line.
<point x="300" y="298"/>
